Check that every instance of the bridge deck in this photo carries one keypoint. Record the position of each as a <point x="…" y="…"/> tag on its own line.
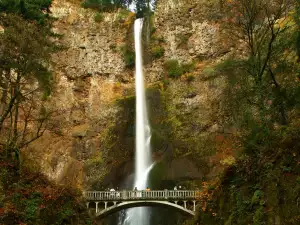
<point x="165" y="195"/>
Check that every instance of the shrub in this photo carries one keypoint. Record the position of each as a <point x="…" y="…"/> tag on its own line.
<point x="159" y="39"/>
<point x="128" y="56"/>
<point x="123" y="15"/>
<point x="166" y="82"/>
<point x="98" y="17"/>
<point x="153" y="30"/>
<point x="190" y="78"/>
<point x="157" y="51"/>
<point x="188" y="67"/>
<point x="183" y="40"/>
<point x="257" y="196"/>
<point x="173" y="68"/>
<point x="113" y="47"/>
<point x="258" y="217"/>
<point x="101" y="5"/>
<point x="32" y="10"/>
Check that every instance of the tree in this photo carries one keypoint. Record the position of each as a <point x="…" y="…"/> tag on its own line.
<point x="297" y="20"/>
<point x="142" y="7"/>
<point x="106" y="5"/>
<point x="266" y="74"/>
<point x="30" y="9"/>
<point x="25" y="49"/>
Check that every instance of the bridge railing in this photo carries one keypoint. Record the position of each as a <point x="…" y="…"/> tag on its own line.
<point x="141" y="195"/>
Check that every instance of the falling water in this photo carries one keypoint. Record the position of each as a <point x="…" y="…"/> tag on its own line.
<point x="143" y="164"/>
<point x="143" y="132"/>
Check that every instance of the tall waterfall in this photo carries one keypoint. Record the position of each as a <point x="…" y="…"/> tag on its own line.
<point x="143" y="162"/>
<point x="142" y="131"/>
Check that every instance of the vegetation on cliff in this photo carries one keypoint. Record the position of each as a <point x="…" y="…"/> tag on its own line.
<point x="259" y="110"/>
<point x="141" y="6"/>
<point x="29" y="9"/>
<point x="24" y="56"/>
<point x="261" y="102"/>
<point x="29" y="198"/>
<point x="26" y="43"/>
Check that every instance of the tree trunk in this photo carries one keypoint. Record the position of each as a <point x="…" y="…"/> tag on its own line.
<point x="279" y="95"/>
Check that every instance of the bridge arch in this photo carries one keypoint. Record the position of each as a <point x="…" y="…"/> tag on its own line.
<point x="131" y="204"/>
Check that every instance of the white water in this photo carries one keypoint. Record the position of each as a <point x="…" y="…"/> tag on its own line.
<point x="142" y="130"/>
<point x="143" y="162"/>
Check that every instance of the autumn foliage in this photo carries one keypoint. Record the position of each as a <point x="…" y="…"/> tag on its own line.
<point x="31" y="199"/>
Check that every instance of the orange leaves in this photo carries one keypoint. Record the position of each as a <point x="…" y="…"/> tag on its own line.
<point x="129" y="20"/>
<point x="206" y="194"/>
<point x="226" y="147"/>
<point x="9" y="207"/>
<point x="224" y="144"/>
<point x="49" y="194"/>
<point x="2" y="211"/>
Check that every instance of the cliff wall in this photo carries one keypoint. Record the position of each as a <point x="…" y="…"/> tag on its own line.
<point x="92" y="140"/>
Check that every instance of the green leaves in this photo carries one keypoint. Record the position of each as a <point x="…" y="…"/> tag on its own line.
<point x="26" y="49"/>
<point x="105" y="5"/>
<point x="175" y="69"/>
<point x="30" y="9"/>
<point x="128" y="56"/>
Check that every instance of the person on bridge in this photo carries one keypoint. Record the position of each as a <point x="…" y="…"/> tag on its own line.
<point x="118" y="193"/>
<point x="175" y="188"/>
<point x="147" y="189"/>
<point x="112" y="192"/>
<point x="135" y="192"/>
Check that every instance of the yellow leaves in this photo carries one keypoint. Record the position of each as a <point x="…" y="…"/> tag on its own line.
<point x="228" y="161"/>
<point x="129" y="20"/>
<point x="285" y="22"/>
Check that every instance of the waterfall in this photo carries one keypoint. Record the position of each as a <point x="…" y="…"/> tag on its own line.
<point x="143" y="162"/>
<point x="142" y="131"/>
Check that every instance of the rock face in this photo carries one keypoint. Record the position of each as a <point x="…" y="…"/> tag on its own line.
<point x="92" y="131"/>
<point x="193" y="107"/>
<point x="87" y="73"/>
<point x="89" y="51"/>
<point x="188" y="33"/>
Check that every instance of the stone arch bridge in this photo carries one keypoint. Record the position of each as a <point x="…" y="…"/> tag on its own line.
<point x="108" y="202"/>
